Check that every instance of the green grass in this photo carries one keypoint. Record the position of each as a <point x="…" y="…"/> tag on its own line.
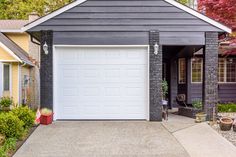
<point x="227" y="107"/>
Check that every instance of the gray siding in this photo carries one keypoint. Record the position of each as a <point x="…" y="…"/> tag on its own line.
<point x="117" y="22"/>
<point x="127" y="38"/>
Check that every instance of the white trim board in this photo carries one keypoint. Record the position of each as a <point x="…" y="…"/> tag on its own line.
<point x="172" y="2"/>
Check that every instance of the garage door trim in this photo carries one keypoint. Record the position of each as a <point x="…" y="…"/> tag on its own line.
<point x="55" y="110"/>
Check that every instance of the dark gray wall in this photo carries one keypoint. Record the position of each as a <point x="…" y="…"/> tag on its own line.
<point x="46" y="71"/>
<point x="113" y="22"/>
<point x="155" y="78"/>
<point x="226" y="91"/>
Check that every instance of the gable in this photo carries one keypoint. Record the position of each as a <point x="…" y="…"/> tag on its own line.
<point x="124" y="15"/>
<point x="5" y="56"/>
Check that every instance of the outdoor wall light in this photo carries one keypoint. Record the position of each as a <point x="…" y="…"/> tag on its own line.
<point x="156" y="48"/>
<point x="45" y="48"/>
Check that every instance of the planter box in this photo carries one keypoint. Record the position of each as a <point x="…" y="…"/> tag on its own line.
<point x="188" y="111"/>
<point x="46" y="120"/>
<point x="227" y="114"/>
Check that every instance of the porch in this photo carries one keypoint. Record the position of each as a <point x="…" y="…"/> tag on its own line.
<point x="189" y="72"/>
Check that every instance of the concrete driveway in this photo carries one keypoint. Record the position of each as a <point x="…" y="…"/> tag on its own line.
<point x="102" y="139"/>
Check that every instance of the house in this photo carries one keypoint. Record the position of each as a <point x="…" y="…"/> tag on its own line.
<point x="107" y="59"/>
<point x="19" y="59"/>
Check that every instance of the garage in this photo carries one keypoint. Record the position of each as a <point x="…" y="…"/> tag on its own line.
<point x="101" y="83"/>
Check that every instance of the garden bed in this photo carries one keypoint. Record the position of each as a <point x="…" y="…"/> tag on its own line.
<point x="188" y="111"/>
<point x="20" y="142"/>
<point x="229" y="135"/>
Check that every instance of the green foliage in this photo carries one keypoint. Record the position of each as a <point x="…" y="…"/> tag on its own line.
<point x="26" y="115"/>
<point x="46" y="111"/>
<point x="6" y="102"/>
<point x="231" y="107"/>
<point x="11" y="126"/>
<point x="164" y="89"/>
<point x="10" y="144"/>
<point x="197" y="104"/>
<point x="185" y="2"/>
<point x="20" y="9"/>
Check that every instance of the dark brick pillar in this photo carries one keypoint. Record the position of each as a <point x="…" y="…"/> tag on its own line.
<point x="210" y="74"/>
<point x="155" y="76"/>
<point x="46" y="71"/>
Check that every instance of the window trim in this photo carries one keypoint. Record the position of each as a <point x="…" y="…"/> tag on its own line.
<point x="10" y="78"/>
<point x="179" y="71"/>
<point x="192" y="70"/>
<point x="225" y="71"/>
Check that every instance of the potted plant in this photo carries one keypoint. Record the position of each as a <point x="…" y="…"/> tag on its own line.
<point x="164" y="92"/>
<point x="46" y="116"/>
<point x="6" y="103"/>
<point x="200" y="116"/>
<point x="225" y="123"/>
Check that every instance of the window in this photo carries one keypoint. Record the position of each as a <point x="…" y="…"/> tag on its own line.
<point x="221" y="70"/>
<point x="6" y="77"/>
<point x="227" y="70"/>
<point x="196" y="70"/>
<point x="230" y="70"/>
<point x="182" y="71"/>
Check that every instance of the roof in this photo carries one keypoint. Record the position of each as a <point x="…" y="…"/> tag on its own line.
<point x="12" y="25"/>
<point x="17" y="52"/>
<point x="172" y="2"/>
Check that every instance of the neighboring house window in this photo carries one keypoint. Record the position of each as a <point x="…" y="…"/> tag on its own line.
<point x="6" y="77"/>
<point x="196" y="70"/>
<point x="182" y="71"/>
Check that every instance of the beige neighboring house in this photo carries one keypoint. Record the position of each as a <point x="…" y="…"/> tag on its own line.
<point x="19" y="63"/>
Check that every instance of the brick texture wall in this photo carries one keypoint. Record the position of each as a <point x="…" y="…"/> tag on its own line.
<point x="46" y="71"/>
<point x="210" y="73"/>
<point x="155" y="76"/>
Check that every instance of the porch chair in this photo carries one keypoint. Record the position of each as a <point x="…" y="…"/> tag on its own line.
<point x="181" y="100"/>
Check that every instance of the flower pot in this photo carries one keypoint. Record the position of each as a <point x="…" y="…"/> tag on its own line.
<point x="225" y="123"/>
<point x="200" y="117"/>
<point x="46" y="119"/>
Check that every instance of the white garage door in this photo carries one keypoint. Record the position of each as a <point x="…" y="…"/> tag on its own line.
<point x="101" y="83"/>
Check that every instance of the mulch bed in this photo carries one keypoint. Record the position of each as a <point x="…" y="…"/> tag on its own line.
<point x="21" y="142"/>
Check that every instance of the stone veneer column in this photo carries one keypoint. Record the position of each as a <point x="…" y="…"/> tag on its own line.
<point x="155" y="77"/>
<point x="46" y="71"/>
<point x="210" y="73"/>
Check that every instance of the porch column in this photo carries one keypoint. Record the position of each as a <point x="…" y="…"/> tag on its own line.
<point x="210" y="74"/>
<point x="46" y="70"/>
<point x="155" y="77"/>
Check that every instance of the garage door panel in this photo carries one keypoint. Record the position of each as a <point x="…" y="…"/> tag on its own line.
<point x="101" y="83"/>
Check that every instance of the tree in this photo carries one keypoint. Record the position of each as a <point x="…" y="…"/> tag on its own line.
<point x="20" y="9"/>
<point x="223" y="11"/>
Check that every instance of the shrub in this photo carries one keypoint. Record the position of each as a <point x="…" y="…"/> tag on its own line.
<point x="10" y="144"/>
<point x="10" y="125"/>
<point x="26" y="115"/>
<point x="197" y="104"/>
<point x="227" y="107"/>
<point x="6" y="102"/>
